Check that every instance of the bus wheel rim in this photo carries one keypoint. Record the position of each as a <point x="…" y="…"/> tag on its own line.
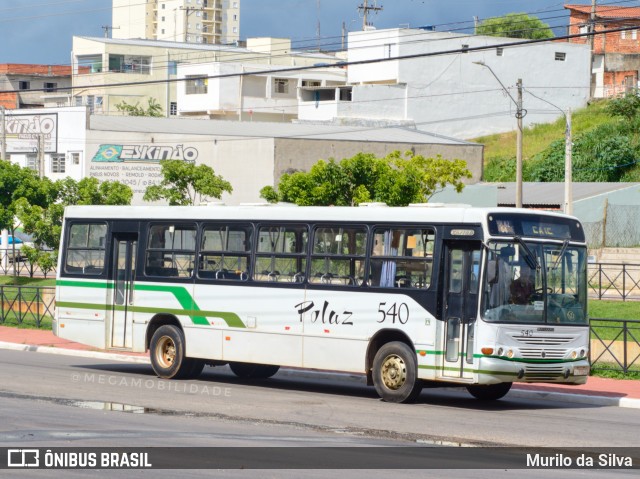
<point x="394" y="372"/>
<point x="166" y="352"/>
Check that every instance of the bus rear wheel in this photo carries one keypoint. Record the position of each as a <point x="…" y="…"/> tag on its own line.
<point x="490" y="392"/>
<point x="253" y="371"/>
<point x="167" y="353"/>
<point x="395" y="373"/>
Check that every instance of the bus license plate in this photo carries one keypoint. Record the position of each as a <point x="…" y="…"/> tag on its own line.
<point x="580" y="370"/>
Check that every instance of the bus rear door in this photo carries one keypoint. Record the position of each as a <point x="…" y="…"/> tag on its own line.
<point x="124" y="256"/>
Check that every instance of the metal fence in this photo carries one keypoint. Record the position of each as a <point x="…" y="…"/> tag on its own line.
<point x="21" y="267"/>
<point x="614" y="281"/>
<point x="27" y="305"/>
<point x="615" y="345"/>
<point x="620" y="228"/>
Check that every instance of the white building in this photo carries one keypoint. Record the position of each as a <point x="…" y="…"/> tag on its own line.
<point x="59" y="132"/>
<point x="452" y="94"/>
<point x="248" y="90"/>
<point x="189" y="21"/>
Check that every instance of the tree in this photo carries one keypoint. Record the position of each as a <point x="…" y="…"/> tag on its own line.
<point x="395" y="179"/>
<point x="184" y="183"/>
<point x="44" y="220"/>
<point x="153" y="108"/>
<point x="515" y="25"/>
<point x="626" y="107"/>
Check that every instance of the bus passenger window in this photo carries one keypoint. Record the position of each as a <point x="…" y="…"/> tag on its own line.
<point x="224" y="252"/>
<point x="86" y="249"/>
<point x="402" y="258"/>
<point x="338" y="255"/>
<point x="281" y="254"/>
<point x="170" y="251"/>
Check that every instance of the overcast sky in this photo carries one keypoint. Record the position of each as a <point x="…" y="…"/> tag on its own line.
<point x="40" y="31"/>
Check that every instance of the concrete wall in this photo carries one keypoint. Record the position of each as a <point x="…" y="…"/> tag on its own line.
<point x="303" y="154"/>
<point x="134" y="159"/>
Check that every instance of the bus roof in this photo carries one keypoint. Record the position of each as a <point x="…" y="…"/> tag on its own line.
<point x="413" y="214"/>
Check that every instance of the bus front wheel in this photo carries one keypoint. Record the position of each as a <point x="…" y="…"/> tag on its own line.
<point x="168" y="353"/>
<point x="490" y="392"/>
<point x="395" y="373"/>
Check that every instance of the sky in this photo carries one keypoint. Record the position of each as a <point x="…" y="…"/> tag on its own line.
<point x="40" y="31"/>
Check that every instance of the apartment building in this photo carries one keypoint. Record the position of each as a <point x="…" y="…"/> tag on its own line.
<point x="188" y="21"/>
<point x="108" y="71"/>
<point x="616" y="55"/>
<point x="27" y="86"/>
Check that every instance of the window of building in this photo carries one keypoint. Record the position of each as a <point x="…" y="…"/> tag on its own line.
<point x="235" y="17"/>
<point x="499" y="51"/>
<point x="584" y="29"/>
<point x="281" y="85"/>
<point x="196" y="85"/>
<point x="89" y="64"/>
<point x="465" y="47"/>
<point x="75" y="158"/>
<point x="311" y="83"/>
<point x="634" y="34"/>
<point x="32" y="162"/>
<point x="198" y="13"/>
<point x="623" y="35"/>
<point x="163" y="19"/>
<point x="130" y="64"/>
<point x="50" y="87"/>
<point x="24" y="85"/>
<point x="561" y="56"/>
<point x="235" y="29"/>
<point x="198" y="26"/>
<point x="163" y="6"/>
<point x="58" y="163"/>
<point x="173" y="108"/>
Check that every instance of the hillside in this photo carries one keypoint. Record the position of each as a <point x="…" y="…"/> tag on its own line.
<point x="500" y="149"/>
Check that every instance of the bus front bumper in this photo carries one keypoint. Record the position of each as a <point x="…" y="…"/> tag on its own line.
<point x="497" y="370"/>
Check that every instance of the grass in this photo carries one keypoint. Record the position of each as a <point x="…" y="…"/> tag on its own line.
<point x="614" y="309"/>
<point x="25" y="281"/>
<point x="538" y="137"/>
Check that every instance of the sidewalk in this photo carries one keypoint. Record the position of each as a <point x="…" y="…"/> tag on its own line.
<point x="598" y="391"/>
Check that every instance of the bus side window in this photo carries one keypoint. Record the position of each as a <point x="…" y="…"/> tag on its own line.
<point x="402" y="258"/>
<point x="224" y="252"/>
<point x="86" y="249"/>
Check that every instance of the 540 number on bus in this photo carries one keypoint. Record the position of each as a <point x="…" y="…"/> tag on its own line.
<point x="395" y="312"/>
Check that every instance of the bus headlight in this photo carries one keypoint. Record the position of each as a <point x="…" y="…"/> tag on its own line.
<point x="510" y="353"/>
<point x="583" y="353"/>
<point x="500" y="351"/>
<point x="574" y="355"/>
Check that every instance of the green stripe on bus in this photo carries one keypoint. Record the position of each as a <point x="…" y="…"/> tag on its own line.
<point x="190" y="308"/>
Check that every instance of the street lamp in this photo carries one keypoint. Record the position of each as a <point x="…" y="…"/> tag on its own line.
<point x="568" y="153"/>
<point x="520" y="113"/>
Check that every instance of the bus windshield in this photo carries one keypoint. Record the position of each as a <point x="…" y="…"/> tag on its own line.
<point x="528" y="282"/>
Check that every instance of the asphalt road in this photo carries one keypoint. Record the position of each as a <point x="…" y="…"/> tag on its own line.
<point x="63" y="401"/>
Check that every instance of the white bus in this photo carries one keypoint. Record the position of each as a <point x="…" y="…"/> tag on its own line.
<point x="410" y="296"/>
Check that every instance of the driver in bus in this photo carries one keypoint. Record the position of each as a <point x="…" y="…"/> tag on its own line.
<point x="523" y="287"/>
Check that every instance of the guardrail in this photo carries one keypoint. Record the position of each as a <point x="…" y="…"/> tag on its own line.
<point x="614" y="281"/>
<point x="27" y="305"/>
<point x="615" y="345"/>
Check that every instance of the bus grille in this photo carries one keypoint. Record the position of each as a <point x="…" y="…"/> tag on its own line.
<point x="539" y="353"/>
<point x="544" y="340"/>
<point x="543" y="372"/>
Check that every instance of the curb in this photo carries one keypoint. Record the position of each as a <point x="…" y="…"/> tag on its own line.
<point x="353" y="378"/>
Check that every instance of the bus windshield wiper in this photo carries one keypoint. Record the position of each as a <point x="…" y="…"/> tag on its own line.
<point x="530" y="258"/>
<point x="563" y="250"/>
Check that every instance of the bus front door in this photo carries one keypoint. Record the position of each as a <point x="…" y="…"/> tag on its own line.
<point x="124" y="256"/>
<point x="460" y="306"/>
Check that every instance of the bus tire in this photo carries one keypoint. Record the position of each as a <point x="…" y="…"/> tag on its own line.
<point x="490" y="392"/>
<point x="167" y="353"/>
<point x="253" y="371"/>
<point x="395" y="373"/>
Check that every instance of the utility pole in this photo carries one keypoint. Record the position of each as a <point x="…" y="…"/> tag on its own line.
<point x="519" y="116"/>
<point x="318" y="28"/>
<point x="568" y="180"/>
<point x="592" y="43"/>
<point x="365" y="9"/>
<point x="187" y="12"/>
<point x="107" y="29"/>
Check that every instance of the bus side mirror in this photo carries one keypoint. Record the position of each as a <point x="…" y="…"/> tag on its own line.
<point x="492" y="271"/>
